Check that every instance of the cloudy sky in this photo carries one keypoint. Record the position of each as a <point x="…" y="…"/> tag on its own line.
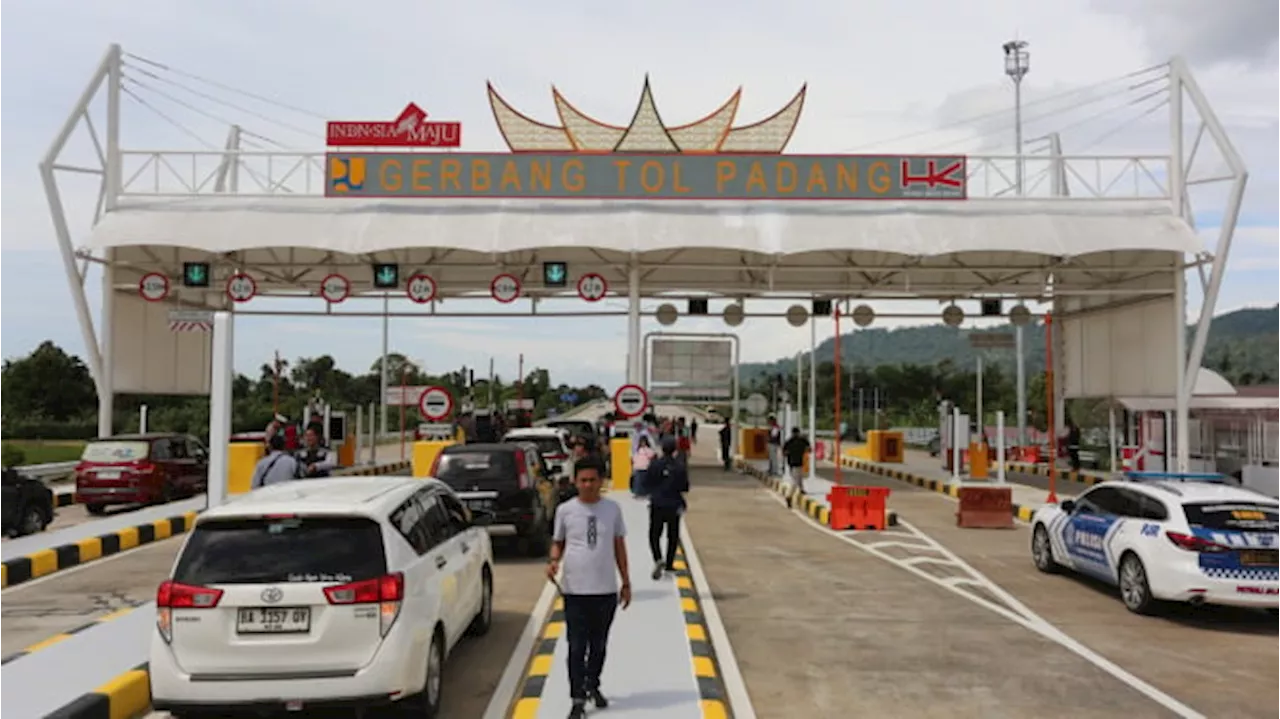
<point x="919" y="76"/>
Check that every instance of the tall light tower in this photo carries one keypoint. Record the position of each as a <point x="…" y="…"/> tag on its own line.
<point x="1017" y="63"/>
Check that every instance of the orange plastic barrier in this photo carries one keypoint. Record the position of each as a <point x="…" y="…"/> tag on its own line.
<point x="857" y="507"/>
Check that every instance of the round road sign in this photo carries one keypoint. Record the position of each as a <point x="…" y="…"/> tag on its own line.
<point x="153" y="287"/>
<point x="420" y="288"/>
<point x="435" y="403"/>
<point x="335" y="288"/>
<point x="241" y="287"/>
<point x="756" y="405"/>
<point x="505" y="288"/>
<point x="592" y="287"/>
<point x="630" y="400"/>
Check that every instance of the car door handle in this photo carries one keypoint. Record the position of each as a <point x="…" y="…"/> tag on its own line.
<point x="440" y="562"/>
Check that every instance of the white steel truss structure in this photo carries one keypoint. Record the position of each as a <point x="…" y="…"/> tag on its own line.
<point x="1090" y="233"/>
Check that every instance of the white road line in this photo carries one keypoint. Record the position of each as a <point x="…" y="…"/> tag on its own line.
<point x="513" y="675"/>
<point x="735" y="686"/>
<point x="901" y="545"/>
<point x="90" y="565"/>
<point x="913" y="561"/>
<point x="1030" y="619"/>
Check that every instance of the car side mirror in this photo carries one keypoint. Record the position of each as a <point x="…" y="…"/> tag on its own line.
<point x="1068" y="506"/>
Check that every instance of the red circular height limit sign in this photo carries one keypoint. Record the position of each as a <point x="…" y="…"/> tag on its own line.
<point x="436" y="403"/>
<point x="505" y="288"/>
<point x="630" y="400"/>
<point x="592" y="287"/>
<point x="335" y="288"/>
<point x="153" y="287"/>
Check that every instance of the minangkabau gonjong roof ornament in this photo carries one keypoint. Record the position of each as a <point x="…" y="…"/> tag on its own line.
<point x="647" y="132"/>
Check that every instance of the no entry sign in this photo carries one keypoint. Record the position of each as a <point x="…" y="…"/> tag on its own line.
<point x="630" y="400"/>
<point x="436" y="403"/>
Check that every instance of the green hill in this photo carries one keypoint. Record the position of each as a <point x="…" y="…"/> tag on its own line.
<point x="1242" y="346"/>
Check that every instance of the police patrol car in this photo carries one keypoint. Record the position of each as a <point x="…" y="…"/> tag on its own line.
<point x="1164" y="537"/>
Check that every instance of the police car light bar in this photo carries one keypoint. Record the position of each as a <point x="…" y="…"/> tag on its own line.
<point x="1211" y="477"/>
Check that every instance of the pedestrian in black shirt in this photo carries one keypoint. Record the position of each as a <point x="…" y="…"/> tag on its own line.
<point x="794" y="450"/>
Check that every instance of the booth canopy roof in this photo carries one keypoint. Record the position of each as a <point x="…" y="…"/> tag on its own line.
<point x="728" y="230"/>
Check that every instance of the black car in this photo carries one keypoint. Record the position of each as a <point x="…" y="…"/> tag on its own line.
<point x="27" y="504"/>
<point x="508" y="484"/>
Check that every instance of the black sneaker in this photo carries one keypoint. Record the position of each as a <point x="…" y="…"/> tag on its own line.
<point x="598" y="698"/>
<point x="579" y="710"/>
<point x="657" y="571"/>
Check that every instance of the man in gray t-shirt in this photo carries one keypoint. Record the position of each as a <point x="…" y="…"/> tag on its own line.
<point x="590" y="543"/>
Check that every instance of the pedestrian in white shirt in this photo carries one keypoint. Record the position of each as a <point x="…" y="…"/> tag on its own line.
<point x="590" y="543"/>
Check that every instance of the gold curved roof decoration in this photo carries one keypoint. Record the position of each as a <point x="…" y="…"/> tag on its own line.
<point x="646" y="131"/>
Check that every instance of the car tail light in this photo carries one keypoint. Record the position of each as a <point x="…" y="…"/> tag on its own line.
<point x="143" y="467"/>
<point x="386" y="591"/>
<point x="435" y="464"/>
<point x="174" y="595"/>
<point x="557" y="457"/>
<point x="1192" y="543"/>
<point x="523" y="463"/>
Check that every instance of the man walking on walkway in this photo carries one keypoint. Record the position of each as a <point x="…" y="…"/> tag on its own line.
<point x="667" y="481"/>
<point x="795" y="449"/>
<point x="726" y="441"/>
<point x="590" y="541"/>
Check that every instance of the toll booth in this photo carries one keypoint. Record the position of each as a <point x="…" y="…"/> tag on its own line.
<point x="434" y="438"/>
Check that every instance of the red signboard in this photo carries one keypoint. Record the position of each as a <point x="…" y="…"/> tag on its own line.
<point x="410" y="129"/>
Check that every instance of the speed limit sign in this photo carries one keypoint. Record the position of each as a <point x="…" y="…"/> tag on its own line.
<point x="335" y="288"/>
<point x="592" y="287"/>
<point x="505" y="288"/>
<point x="153" y="287"/>
<point x="241" y="287"/>
<point x="420" y="288"/>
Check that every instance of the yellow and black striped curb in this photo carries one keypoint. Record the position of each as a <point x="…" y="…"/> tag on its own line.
<point x="1085" y="478"/>
<point x="128" y="695"/>
<point x="812" y="507"/>
<point x="64" y="499"/>
<point x="706" y="666"/>
<point x="63" y="636"/>
<point x="529" y="698"/>
<point x="930" y="483"/>
<point x="82" y="551"/>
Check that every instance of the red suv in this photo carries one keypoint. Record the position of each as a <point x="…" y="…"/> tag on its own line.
<point x="140" y="469"/>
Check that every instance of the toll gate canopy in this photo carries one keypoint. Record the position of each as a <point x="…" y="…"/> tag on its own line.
<point x="712" y="207"/>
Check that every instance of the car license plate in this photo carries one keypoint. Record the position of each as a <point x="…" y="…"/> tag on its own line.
<point x="480" y="505"/>
<point x="1258" y="557"/>
<point x="273" y="620"/>
<point x="108" y="474"/>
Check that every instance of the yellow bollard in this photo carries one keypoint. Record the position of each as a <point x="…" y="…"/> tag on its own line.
<point x="242" y="457"/>
<point x="620" y="455"/>
<point x="425" y="453"/>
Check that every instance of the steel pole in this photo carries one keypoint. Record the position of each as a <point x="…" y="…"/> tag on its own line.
<point x="813" y="392"/>
<point x="382" y="397"/>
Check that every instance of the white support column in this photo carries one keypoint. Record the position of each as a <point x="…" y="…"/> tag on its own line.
<point x="142" y="419"/>
<point x="813" y="392"/>
<point x="633" y="324"/>
<point x="1182" y="395"/>
<point x="982" y="425"/>
<point x="1111" y="435"/>
<point x="114" y="177"/>
<point x="220" y="405"/>
<point x="359" y="431"/>
<point x="956" y="433"/>
<point x="106" y="384"/>
<point x="382" y="380"/>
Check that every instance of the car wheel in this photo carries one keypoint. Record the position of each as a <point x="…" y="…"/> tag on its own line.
<point x="32" y="521"/>
<point x="425" y="703"/>
<point x="1042" y="550"/>
<point x="484" y="618"/>
<point x="96" y="509"/>
<point x="1135" y="591"/>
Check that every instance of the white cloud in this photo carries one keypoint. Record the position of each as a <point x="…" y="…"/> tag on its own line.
<point x="874" y="71"/>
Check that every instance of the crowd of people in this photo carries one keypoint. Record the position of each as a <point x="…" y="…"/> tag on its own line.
<point x="287" y="460"/>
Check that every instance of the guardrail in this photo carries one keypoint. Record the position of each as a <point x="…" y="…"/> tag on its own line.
<point x="48" y="471"/>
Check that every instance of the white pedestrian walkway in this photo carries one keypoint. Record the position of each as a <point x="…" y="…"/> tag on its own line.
<point x="649" y="669"/>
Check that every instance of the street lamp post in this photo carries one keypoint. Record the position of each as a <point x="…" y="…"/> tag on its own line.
<point x="1017" y="63"/>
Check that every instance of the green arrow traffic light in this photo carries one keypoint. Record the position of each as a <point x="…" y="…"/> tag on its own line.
<point x="386" y="275"/>
<point x="195" y="274"/>
<point x="555" y="274"/>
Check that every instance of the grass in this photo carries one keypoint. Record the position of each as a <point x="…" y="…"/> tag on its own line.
<point x="43" y="451"/>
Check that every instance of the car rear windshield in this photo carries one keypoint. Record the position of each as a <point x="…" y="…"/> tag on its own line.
<point x="463" y="467"/>
<point x="546" y="445"/>
<point x="111" y="450"/>
<point x="290" y="549"/>
<point x="577" y="429"/>
<point x="1240" y="516"/>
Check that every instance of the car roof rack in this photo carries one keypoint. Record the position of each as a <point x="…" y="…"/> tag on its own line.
<point x="1206" y="477"/>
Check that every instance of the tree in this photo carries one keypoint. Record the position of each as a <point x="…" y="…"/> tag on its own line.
<point x="48" y="384"/>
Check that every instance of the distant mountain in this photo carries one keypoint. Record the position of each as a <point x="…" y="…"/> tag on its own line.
<point x="1243" y="346"/>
